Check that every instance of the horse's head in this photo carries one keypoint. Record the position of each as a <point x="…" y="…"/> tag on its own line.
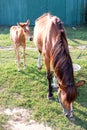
<point x="26" y="29"/>
<point x="67" y="96"/>
<point x="63" y="68"/>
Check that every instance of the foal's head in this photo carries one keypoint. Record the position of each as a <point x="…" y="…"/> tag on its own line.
<point x="26" y="29"/>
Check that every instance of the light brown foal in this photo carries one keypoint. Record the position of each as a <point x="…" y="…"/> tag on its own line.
<point x="18" y="36"/>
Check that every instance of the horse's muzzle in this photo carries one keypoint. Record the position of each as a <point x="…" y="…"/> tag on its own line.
<point x="30" y="38"/>
<point x="68" y="113"/>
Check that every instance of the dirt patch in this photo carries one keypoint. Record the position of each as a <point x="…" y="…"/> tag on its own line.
<point x="19" y="119"/>
<point x="11" y="48"/>
<point x="76" y="67"/>
<point x="82" y="47"/>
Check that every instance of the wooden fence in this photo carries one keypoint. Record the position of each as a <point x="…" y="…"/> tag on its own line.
<point x="71" y="12"/>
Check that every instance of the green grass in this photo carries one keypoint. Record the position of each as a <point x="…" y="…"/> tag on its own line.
<point x="28" y="88"/>
<point x="77" y="37"/>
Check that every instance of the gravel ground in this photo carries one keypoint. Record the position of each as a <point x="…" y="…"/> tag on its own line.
<point x="19" y="120"/>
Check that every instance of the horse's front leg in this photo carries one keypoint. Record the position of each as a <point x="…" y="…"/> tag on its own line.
<point x="49" y="78"/>
<point x="55" y="83"/>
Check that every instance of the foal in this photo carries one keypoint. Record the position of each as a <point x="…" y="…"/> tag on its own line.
<point x="18" y="36"/>
<point x="50" y="40"/>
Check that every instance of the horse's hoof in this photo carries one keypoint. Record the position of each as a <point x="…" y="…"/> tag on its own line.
<point x="71" y="118"/>
<point x="49" y="97"/>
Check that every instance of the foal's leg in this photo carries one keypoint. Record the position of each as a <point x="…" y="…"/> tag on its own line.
<point x="24" y="57"/>
<point x="14" y="45"/>
<point x="49" y="77"/>
<point x="16" y="48"/>
<point x="18" y="58"/>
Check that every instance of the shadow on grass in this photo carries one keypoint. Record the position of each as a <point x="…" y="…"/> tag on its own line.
<point x="81" y="109"/>
<point x="79" y="30"/>
<point x="80" y="33"/>
<point x="4" y="29"/>
<point x="35" y="74"/>
<point x="79" y="122"/>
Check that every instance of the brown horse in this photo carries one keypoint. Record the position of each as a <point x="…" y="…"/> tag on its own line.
<point x="18" y="36"/>
<point x="50" y="39"/>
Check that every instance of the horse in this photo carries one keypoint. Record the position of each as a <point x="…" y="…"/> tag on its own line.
<point x="18" y="36"/>
<point x="51" y="41"/>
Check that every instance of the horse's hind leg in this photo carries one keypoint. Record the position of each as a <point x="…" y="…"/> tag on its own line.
<point x="49" y="77"/>
<point x="39" y="65"/>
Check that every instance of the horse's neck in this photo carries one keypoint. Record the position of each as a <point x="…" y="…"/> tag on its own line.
<point x="65" y="42"/>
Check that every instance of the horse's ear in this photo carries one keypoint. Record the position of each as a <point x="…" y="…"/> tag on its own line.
<point x="80" y="83"/>
<point x="28" y="22"/>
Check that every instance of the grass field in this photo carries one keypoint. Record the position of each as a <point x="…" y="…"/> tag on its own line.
<point x="28" y="88"/>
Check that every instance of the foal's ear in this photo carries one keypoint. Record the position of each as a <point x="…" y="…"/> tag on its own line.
<point x="80" y="83"/>
<point x="20" y="24"/>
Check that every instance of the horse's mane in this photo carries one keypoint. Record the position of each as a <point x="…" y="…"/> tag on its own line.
<point x="62" y="64"/>
<point x="43" y="16"/>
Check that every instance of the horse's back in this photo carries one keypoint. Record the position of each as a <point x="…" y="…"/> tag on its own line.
<point x="41" y="24"/>
<point x="40" y="30"/>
